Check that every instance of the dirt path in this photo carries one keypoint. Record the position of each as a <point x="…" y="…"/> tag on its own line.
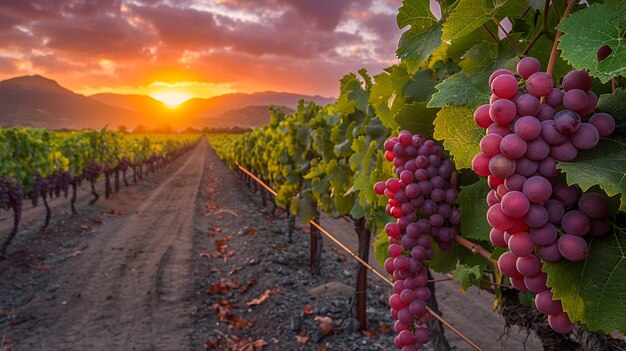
<point x="131" y="291"/>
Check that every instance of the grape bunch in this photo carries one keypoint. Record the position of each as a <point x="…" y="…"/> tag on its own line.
<point x="92" y="172"/>
<point x="36" y="190"/>
<point x="123" y="164"/>
<point x="11" y="195"/>
<point x="422" y="200"/>
<point x="64" y="181"/>
<point x="530" y="211"/>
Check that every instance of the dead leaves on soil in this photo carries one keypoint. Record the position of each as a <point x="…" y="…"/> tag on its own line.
<point x="234" y="343"/>
<point x="258" y="301"/>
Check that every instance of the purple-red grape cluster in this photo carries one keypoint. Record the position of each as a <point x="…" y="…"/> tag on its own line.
<point x="533" y="214"/>
<point x="11" y="195"/>
<point x="422" y="200"/>
<point x="92" y="172"/>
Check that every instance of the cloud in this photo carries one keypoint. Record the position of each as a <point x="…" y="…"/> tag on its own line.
<point x="291" y="45"/>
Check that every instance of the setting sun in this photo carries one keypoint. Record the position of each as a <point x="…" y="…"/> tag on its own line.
<point x="171" y="98"/>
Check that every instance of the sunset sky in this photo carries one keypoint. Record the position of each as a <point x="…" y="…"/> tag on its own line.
<point x="198" y="48"/>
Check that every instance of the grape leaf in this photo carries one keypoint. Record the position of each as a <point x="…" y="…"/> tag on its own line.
<point x="416" y="45"/>
<point x="417" y="118"/>
<point x="474" y="208"/>
<point x="613" y="104"/>
<point x="604" y="165"/>
<point x="593" y="291"/>
<point x="588" y="30"/>
<point x="467" y="276"/>
<point x="385" y="100"/>
<point x="457" y="90"/>
<point x="381" y="246"/>
<point x="461" y="136"/>
<point x="469" y="15"/>
<point x="482" y="59"/>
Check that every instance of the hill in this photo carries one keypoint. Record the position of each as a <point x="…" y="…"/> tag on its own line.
<point x="36" y="101"/>
<point x="244" y="117"/>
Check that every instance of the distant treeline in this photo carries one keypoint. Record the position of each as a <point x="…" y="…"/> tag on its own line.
<point x="167" y="129"/>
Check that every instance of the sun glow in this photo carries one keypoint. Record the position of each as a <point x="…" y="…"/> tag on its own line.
<point x="171" y="98"/>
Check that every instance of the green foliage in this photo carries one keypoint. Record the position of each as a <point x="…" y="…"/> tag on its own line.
<point x="467" y="276"/>
<point x="460" y="135"/>
<point x="593" y="291"/>
<point x="588" y="30"/>
<point x="474" y="208"/>
<point x="613" y="104"/>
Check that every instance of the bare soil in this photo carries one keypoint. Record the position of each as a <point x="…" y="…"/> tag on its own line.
<point x="189" y="259"/>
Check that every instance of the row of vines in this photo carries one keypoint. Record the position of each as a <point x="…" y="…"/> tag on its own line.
<point x="38" y="164"/>
<point x="566" y="71"/>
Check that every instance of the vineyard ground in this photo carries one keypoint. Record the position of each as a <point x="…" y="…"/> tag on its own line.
<point x="132" y="273"/>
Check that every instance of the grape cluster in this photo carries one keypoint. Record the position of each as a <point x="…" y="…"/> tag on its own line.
<point x="64" y="181"/>
<point x="423" y="203"/>
<point x="11" y="195"/>
<point x="123" y="164"/>
<point x="36" y="190"/>
<point x="92" y="172"/>
<point x="531" y="213"/>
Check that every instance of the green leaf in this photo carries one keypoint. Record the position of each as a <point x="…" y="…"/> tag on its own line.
<point x="613" y="104"/>
<point x="474" y="208"/>
<point x="467" y="16"/>
<point x="381" y="246"/>
<point x="305" y="206"/>
<point x="416" y="46"/>
<point x="417" y="118"/>
<point x="460" y="135"/>
<point x="467" y="276"/>
<point x="385" y="100"/>
<point x="604" y="165"/>
<point x="457" y="90"/>
<point x="588" y="30"/>
<point x="484" y="58"/>
<point x="421" y="86"/>
<point x="593" y="291"/>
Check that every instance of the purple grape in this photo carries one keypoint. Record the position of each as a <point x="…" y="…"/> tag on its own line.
<point x="564" y="152"/>
<point x="550" y="253"/>
<point x="527" y="105"/>
<point x="502" y="130"/>
<point x="501" y="167"/>
<point x="555" y="97"/>
<point x="506" y="264"/>
<point x="545" y="303"/>
<point x="490" y="144"/>
<point x="586" y="137"/>
<point x="526" y="167"/>
<point x="515" y="204"/>
<point x="537" y="150"/>
<point x="577" y="80"/>
<point x="551" y="134"/>
<point x="567" y="195"/>
<point x="575" y="223"/>
<point x="502" y="112"/>
<point x="499" y="72"/>
<point x="512" y="146"/>
<point x="546" y="112"/>
<point x="537" y="282"/>
<point x="481" y="116"/>
<point x="539" y="84"/>
<point x="572" y="247"/>
<point x="536" y="217"/>
<point x="528" y="266"/>
<point x="545" y="235"/>
<point x="521" y="244"/>
<point x="594" y="205"/>
<point x="575" y="100"/>
<point x="528" y="128"/>
<point x="537" y="189"/>
<point x="604" y="123"/>
<point x="566" y="121"/>
<point x="547" y="167"/>
<point x="555" y="210"/>
<point x="600" y="226"/>
<point x="527" y="66"/>
<point x="504" y="86"/>
<point x="561" y="323"/>
<point x="498" y="219"/>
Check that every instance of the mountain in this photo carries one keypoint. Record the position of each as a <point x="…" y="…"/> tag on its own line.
<point x="244" y="117"/>
<point x="199" y="110"/>
<point x="135" y="103"/>
<point x="36" y="101"/>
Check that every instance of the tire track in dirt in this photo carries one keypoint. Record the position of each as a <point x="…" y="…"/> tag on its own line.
<point x="131" y="290"/>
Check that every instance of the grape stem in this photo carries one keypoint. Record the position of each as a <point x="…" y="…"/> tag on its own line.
<point x="515" y="48"/>
<point x="495" y="39"/>
<point x="553" y="53"/>
<point x="544" y="26"/>
<point x="475" y="248"/>
<point x="613" y="84"/>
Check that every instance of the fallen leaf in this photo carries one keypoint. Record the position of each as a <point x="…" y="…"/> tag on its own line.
<point x="323" y="347"/>
<point x="302" y="338"/>
<point x="85" y="228"/>
<point x="210" y="344"/>
<point x="44" y="267"/>
<point x="76" y="253"/>
<point x="235" y="270"/>
<point x="97" y="222"/>
<point x="223" y="286"/>
<point x="326" y="324"/>
<point x="6" y="341"/>
<point x="370" y="333"/>
<point x="260" y="300"/>
<point x="251" y="281"/>
<point x="258" y="345"/>
<point x="308" y="310"/>
<point x="385" y="329"/>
